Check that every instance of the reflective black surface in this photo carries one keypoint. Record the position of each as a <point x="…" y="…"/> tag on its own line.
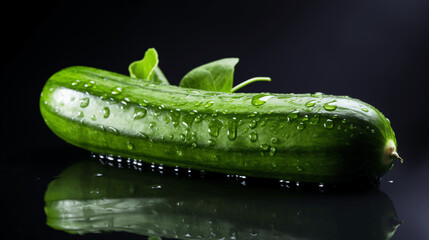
<point x="74" y="193"/>
<point x="376" y="51"/>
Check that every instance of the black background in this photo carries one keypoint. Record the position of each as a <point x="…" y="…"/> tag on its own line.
<point x="376" y="51"/>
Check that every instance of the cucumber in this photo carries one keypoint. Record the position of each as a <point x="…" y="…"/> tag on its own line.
<point x="89" y="197"/>
<point x="296" y="137"/>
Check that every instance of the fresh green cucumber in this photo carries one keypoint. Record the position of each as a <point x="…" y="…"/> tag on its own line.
<point x="297" y="137"/>
<point x="89" y="197"/>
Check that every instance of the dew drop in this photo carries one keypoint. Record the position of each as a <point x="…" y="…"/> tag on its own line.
<point x="212" y="142"/>
<point x="299" y="168"/>
<point x="182" y="137"/>
<point x="260" y="99"/>
<point x="93" y="118"/>
<point x="232" y="130"/>
<point x="76" y="82"/>
<point x="209" y="104"/>
<point x="140" y="113"/>
<point x="293" y="114"/>
<point x="304" y="118"/>
<point x="142" y="135"/>
<point x="113" y="130"/>
<point x="198" y="119"/>
<point x="273" y="151"/>
<point x="106" y="112"/>
<point x="330" y="106"/>
<point x="300" y="126"/>
<point x="265" y="147"/>
<point x="253" y="124"/>
<point x="214" y="126"/>
<point x="253" y="136"/>
<point x="117" y="91"/>
<point x="317" y="94"/>
<point x="130" y="145"/>
<point x="84" y="102"/>
<point x="274" y="140"/>
<point x="329" y="124"/>
<point x="314" y="120"/>
<point x="310" y="103"/>
<point x="80" y="114"/>
<point x="89" y="84"/>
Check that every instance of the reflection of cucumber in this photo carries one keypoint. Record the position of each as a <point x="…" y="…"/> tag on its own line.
<point x="298" y="137"/>
<point x="89" y="197"/>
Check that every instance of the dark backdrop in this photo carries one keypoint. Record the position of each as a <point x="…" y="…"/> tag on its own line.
<point x="376" y="51"/>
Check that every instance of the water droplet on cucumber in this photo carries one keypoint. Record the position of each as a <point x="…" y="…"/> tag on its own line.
<point x="293" y="115"/>
<point x="300" y="126"/>
<point x="76" y="82"/>
<point x="260" y="99"/>
<point x="329" y="124"/>
<point x="253" y="136"/>
<point x="317" y="94"/>
<point x="273" y="151"/>
<point x="209" y="104"/>
<point x="364" y="109"/>
<point x="265" y="147"/>
<point x="330" y="106"/>
<point x="140" y="113"/>
<point x="212" y="142"/>
<point x="130" y="146"/>
<point x="310" y="103"/>
<point x="232" y="130"/>
<point x="253" y="124"/>
<point x="214" y="126"/>
<point x="106" y="112"/>
<point x="198" y="119"/>
<point x="116" y="91"/>
<point x="113" y="130"/>
<point x="314" y="120"/>
<point x="84" y="102"/>
<point x="274" y="140"/>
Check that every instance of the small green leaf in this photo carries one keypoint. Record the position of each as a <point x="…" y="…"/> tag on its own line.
<point x="214" y="76"/>
<point x="147" y="68"/>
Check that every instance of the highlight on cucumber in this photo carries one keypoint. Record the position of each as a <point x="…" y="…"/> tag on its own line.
<point x="205" y="124"/>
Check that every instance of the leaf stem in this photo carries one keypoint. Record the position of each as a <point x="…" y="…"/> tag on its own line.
<point x="249" y="81"/>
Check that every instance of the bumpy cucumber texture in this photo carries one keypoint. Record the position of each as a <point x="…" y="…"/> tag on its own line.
<point x="297" y="137"/>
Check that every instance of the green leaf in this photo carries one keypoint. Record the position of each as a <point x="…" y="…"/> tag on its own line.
<point x="147" y="68"/>
<point x="214" y="76"/>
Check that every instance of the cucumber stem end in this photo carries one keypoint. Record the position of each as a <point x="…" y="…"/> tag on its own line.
<point x="396" y="156"/>
<point x="390" y="152"/>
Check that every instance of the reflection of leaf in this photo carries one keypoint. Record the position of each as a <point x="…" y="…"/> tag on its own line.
<point x="214" y="76"/>
<point x="147" y="68"/>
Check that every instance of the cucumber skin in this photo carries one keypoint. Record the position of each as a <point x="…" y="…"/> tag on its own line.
<point x="109" y="113"/>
